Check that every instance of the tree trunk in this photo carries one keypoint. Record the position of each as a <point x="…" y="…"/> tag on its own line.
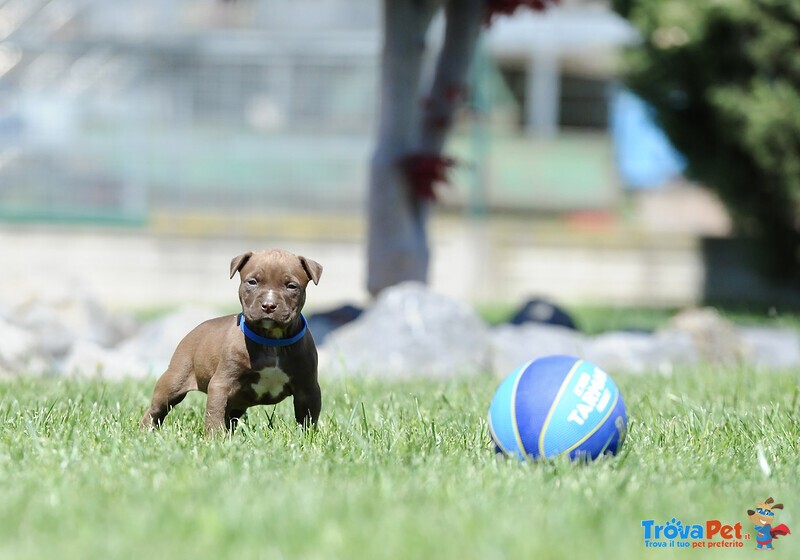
<point x="410" y="138"/>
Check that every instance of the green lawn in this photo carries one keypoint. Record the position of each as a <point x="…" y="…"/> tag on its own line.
<point x="396" y="470"/>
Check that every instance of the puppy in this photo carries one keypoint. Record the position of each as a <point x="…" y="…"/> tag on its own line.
<point x="260" y="356"/>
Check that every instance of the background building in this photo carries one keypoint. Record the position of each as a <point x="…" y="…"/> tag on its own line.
<point x="190" y="121"/>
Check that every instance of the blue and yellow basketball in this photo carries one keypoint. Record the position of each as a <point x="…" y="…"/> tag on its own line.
<point x="555" y="405"/>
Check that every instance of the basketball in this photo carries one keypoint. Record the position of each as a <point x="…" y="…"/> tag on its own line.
<point x="557" y="405"/>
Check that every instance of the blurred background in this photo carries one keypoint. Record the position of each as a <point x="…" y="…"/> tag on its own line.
<point x="145" y="143"/>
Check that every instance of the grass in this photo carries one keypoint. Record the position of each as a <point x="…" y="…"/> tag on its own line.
<point x="395" y="470"/>
<point x="595" y="319"/>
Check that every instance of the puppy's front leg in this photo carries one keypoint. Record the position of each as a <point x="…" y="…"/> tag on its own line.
<point x="216" y="407"/>
<point x="307" y="405"/>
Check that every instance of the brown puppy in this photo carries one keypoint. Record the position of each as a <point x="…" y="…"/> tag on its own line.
<point x="260" y="356"/>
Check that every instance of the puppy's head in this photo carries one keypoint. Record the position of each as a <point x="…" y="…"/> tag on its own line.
<point x="272" y="288"/>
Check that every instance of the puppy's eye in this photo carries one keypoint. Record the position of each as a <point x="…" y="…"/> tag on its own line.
<point x="292" y="286"/>
<point x="252" y="282"/>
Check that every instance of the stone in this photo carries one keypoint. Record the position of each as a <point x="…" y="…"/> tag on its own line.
<point x="773" y="348"/>
<point x="60" y="317"/>
<point x="156" y="341"/>
<point x="639" y="352"/>
<point x="716" y="339"/>
<point x="514" y="345"/>
<point x="20" y="352"/>
<point x="626" y="352"/>
<point x="409" y="331"/>
<point x="87" y="359"/>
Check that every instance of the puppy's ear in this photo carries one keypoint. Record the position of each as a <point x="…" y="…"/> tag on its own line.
<point x="750" y="512"/>
<point x="769" y="500"/>
<point x="777" y="506"/>
<point x="238" y="262"/>
<point x="312" y="268"/>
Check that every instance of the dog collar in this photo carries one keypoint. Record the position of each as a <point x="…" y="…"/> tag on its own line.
<point x="275" y="342"/>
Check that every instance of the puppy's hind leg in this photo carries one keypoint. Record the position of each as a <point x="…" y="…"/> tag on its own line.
<point x="170" y="390"/>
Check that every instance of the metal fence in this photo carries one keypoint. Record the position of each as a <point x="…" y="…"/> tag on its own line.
<point x="109" y="126"/>
<point x="111" y="111"/>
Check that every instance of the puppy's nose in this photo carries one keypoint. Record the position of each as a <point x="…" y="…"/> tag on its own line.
<point x="269" y="306"/>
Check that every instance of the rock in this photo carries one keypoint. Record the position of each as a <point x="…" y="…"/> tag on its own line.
<point x="628" y="352"/>
<point x="20" y="352"/>
<point x="637" y="352"/>
<point x="771" y="348"/>
<point x="89" y="359"/>
<point x="409" y="331"/>
<point x="59" y="318"/>
<point x="716" y="339"/>
<point x="512" y="345"/>
<point x="155" y="343"/>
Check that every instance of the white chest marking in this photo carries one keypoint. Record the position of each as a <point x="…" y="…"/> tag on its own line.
<point x="272" y="380"/>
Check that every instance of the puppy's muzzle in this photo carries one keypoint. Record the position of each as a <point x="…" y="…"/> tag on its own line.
<point x="269" y="307"/>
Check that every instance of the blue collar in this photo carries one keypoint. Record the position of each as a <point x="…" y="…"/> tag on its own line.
<point x="275" y="342"/>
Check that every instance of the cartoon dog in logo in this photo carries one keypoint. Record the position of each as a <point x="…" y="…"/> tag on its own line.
<point x="762" y="519"/>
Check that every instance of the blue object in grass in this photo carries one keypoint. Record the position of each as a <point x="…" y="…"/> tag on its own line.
<point x="557" y="405"/>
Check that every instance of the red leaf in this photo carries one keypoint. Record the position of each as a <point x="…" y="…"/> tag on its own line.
<point x="423" y="171"/>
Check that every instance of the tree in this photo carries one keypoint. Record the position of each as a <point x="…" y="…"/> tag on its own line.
<point x="408" y="161"/>
<point x="724" y="79"/>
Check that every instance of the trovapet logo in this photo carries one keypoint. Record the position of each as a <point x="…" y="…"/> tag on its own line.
<point x="712" y="533"/>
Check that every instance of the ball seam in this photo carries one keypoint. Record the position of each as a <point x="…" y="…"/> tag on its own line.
<point x="557" y="398"/>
